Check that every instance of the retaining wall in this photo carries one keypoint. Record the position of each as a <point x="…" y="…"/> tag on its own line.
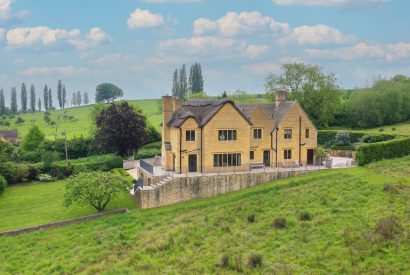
<point x="181" y="189"/>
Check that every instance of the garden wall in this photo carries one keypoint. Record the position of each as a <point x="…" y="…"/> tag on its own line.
<point x="181" y="189"/>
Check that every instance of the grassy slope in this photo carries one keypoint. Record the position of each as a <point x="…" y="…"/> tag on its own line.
<point x="191" y="237"/>
<point x="81" y="124"/>
<point x="401" y="129"/>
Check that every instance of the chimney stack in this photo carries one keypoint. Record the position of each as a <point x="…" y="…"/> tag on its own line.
<point x="281" y="96"/>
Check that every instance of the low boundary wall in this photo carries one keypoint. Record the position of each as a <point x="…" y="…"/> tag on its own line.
<point x="62" y="223"/>
<point x="181" y="189"/>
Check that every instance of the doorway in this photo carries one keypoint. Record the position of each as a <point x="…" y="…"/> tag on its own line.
<point x="310" y="156"/>
<point x="192" y="163"/>
<point x="266" y="158"/>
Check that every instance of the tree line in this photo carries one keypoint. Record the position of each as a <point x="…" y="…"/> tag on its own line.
<point x="387" y="101"/>
<point x="183" y="86"/>
<point x="29" y="102"/>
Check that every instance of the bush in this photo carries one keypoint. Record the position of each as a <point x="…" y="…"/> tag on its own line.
<point x="327" y="138"/>
<point x="342" y="138"/>
<point x="373" y="138"/>
<point x="3" y="184"/>
<point x="279" y="223"/>
<point x="154" y="145"/>
<point x="254" y="260"/>
<point x="14" y="172"/>
<point x="153" y="134"/>
<point x="389" y="228"/>
<point x="305" y="216"/>
<point x="383" y="150"/>
<point x="147" y="153"/>
<point x="251" y="218"/>
<point x="76" y="148"/>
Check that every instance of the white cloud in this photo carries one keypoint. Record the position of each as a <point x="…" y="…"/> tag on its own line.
<point x="318" y="34"/>
<point x="66" y="71"/>
<point x="254" y="51"/>
<point x="262" y="68"/>
<point x="358" y="3"/>
<point x="388" y="52"/>
<point x="144" y="19"/>
<point x="18" y="61"/>
<point x="198" y="44"/>
<point x="172" y="1"/>
<point x="6" y="14"/>
<point x="233" y="24"/>
<point x="43" y="36"/>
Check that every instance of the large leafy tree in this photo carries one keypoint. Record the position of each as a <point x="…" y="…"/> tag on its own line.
<point x="95" y="188"/>
<point x="107" y="92"/>
<point x="316" y="91"/>
<point x="120" y="128"/>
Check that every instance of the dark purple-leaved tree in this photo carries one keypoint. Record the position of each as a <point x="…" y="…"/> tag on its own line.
<point x="120" y="129"/>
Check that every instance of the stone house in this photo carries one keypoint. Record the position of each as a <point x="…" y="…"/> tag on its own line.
<point x="217" y="135"/>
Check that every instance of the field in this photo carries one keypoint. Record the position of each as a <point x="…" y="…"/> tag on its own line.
<point x="342" y="231"/>
<point x="81" y="122"/>
<point x="400" y="129"/>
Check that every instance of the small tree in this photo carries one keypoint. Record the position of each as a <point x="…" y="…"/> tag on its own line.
<point x="107" y="92"/>
<point x="33" y="140"/>
<point x="95" y="188"/>
<point x="85" y="98"/>
<point x="120" y="129"/>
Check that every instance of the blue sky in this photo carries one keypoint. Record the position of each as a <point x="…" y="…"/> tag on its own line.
<point x="136" y="44"/>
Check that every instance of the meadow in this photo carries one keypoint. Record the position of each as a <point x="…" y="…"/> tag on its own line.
<point x="336" y="223"/>
<point x="80" y="124"/>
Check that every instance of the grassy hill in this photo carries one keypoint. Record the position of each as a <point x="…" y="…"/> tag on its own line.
<point x="349" y="231"/>
<point x="81" y="122"/>
<point x="400" y="129"/>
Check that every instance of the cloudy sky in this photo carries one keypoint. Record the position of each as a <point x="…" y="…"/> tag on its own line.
<point x="137" y="44"/>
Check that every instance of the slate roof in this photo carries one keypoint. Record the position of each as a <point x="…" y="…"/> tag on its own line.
<point x="202" y="110"/>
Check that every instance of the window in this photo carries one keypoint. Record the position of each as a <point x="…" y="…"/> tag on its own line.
<point x="251" y="155"/>
<point x="288" y="134"/>
<point x="227" y="160"/>
<point x="190" y="135"/>
<point x="307" y="133"/>
<point x="226" y="134"/>
<point x="257" y="133"/>
<point x="287" y="154"/>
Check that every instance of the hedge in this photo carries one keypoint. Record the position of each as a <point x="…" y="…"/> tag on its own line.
<point x="383" y="150"/>
<point x="327" y="137"/>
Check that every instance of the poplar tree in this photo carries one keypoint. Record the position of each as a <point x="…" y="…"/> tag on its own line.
<point x="196" y="82"/>
<point x="74" y="100"/>
<point x="85" y="99"/>
<point x="50" y="100"/>
<point x="175" y="84"/>
<point x="13" y="101"/>
<point x="183" y="82"/>
<point x="60" y="94"/>
<point x="2" y="103"/>
<point x="39" y="104"/>
<point x="45" y="97"/>
<point x="79" y="99"/>
<point x="64" y="98"/>
<point x="23" y="96"/>
<point x="32" y="98"/>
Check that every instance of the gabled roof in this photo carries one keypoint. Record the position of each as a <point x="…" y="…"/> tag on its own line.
<point x="248" y="108"/>
<point x="281" y="111"/>
<point x="202" y="110"/>
<point x="8" y="134"/>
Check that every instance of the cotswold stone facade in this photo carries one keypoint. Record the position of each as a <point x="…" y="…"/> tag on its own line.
<point x="217" y="135"/>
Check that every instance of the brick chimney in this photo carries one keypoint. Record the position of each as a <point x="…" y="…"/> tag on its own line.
<point x="281" y="96"/>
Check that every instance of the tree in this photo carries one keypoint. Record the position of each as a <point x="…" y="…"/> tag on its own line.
<point x="183" y="83"/>
<point x="311" y="87"/>
<point x="33" y="140"/>
<point x="85" y="99"/>
<point x="120" y="128"/>
<point x="7" y="151"/>
<point x="23" y="95"/>
<point x="2" y="103"/>
<point x="196" y="82"/>
<point x="107" y="92"/>
<point x="74" y="100"/>
<point x="13" y="102"/>
<point x="32" y="98"/>
<point x="45" y="97"/>
<point x="175" y="84"/>
<point x="39" y="104"/>
<point x="60" y="94"/>
<point x="95" y="188"/>
<point x="50" y="100"/>
<point x="79" y="98"/>
<point x="224" y="94"/>
<point x="64" y="97"/>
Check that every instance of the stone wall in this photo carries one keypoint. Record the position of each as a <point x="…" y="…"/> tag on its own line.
<point x="181" y="189"/>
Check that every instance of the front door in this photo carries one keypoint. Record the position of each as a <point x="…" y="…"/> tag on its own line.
<point x="266" y="158"/>
<point x="192" y="163"/>
<point x="310" y="154"/>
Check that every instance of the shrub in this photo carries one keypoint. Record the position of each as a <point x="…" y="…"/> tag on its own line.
<point x="279" y="223"/>
<point x="14" y="172"/>
<point x="251" y="218"/>
<point x="76" y="148"/>
<point x="373" y="138"/>
<point x="389" y="228"/>
<point x="327" y="138"/>
<point x="305" y="216"/>
<point x="255" y="260"/>
<point x="153" y="134"/>
<point x="224" y="261"/>
<point x="383" y="150"/>
<point x="3" y="184"/>
<point x="147" y="153"/>
<point x="154" y="145"/>
<point x="342" y="138"/>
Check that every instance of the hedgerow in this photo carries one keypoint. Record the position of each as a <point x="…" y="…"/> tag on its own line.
<point x="383" y="150"/>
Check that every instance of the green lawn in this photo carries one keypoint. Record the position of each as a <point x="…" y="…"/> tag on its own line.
<point x="191" y="237"/>
<point x="81" y="123"/>
<point x="400" y="129"/>
<point x="35" y="204"/>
